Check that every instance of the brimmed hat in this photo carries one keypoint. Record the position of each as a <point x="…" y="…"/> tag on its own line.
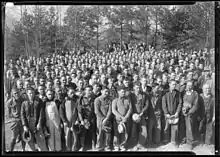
<point x="26" y="136"/>
<point x="136" y="118"/>
<point x="173" y="120"/>
<point x="121" y="128"/>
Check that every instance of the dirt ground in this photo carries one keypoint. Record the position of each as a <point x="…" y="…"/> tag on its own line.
<point x="198" y="150"/>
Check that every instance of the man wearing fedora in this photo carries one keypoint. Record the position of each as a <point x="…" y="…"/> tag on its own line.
<point x="171" y="105"/>
<point x="122" y="110"/>
<point x="103" y="111"/>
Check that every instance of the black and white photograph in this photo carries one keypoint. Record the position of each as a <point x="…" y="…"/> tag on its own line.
<point x="109" y="78"/>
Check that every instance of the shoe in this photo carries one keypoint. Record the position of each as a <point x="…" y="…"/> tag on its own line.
<point x="116" y="149"/>
<point x="122" y="149"/>
<point x="82" y="149"/>
<point x="107" y="149"/>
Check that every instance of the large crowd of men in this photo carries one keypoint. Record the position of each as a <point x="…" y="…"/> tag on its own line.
<point x="124" y="99"/>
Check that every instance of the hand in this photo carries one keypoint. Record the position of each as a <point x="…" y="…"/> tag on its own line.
<point x="38" y="127"/>
<point x="82" y="122"/>
<point x="168" y="115"/>
<point x="71" y="128"/>
<point x="213" y="119"/>
<point x="176" y="115"/>
<point x="77" y="122"/>
<point x="25" y="129"/>
<point x="65" y="124"/>
<point x="124" y="120"/>
<point x="104" y="121"/>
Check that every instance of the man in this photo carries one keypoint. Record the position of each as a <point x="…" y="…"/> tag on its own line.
<point x="207" y="109"/>
<point x="144" y="87"/>
<point x="122" y="109"/>
<point x="52" y="122"/>
<point x="171" y="105"/>
<point x="103" y="111"/>
<point x="63" y="85"/>
<point x="112" y="89"/>
<point x="190" y="107"/>
<point x="69" y="116"/>
<point x="87" y="119"/>
<point x="140" y="105"/>
<point x="120" y="79"/>
<point x="80" y="88"/>
<point x="32" y="116"/>
<point x="14" y="109"/>
<point x="156" y="101"/>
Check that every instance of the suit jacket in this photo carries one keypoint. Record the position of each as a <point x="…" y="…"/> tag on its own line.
<point x="36" y="111"/>
<point x="172" y="102"/>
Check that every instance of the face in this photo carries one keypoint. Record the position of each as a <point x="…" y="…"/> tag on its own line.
<point x="30" y="94"/>
<point x="206" y="89"/>
<point x="41" y="81"/>
<point x="190" y="75"/>
<point x="15" y="94"/>
<point x="49" y="85"/>
<point x="41" y="90"/>
<point x="88" y="91"/>
<point x="105" y="93"/>
<point x="172" y="85"/>
<point x="63" y="80"/>
<point x="173" y="76"/>
<point x="49" y="95"/>
<point x="189" y="86"/>
<point x="143" y="81"/>
<point x="121" y="93"/>
<point x="58" y="91"/>
<point x="159" y="81"/>
<point x="71" y="93"/>
<point x="19" y="84"/>
<point x="120" y="78"/>
<point x="126" y="83"/>
<point x="27" y="84"/>
<point x="191" y="66"/>
<point x="136" y="89"/>
<point x="136" y="77"/>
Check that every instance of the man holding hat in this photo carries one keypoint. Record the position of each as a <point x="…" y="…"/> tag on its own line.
<point x="171" y="105"/>
<point x="140" y="105"/>
<point x="122" y="109"/>
<point x="103" y="111"/>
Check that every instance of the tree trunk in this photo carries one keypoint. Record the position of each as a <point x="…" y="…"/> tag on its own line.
<point x="156" y="32"/>
<point x="97" y="35"/>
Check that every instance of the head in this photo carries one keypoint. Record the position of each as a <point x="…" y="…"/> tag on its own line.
<point x="41" y="89"/>
<point x="70" y="92"/>
<point x="120" y="77"/>
<point x="189" y="86"/>
<point x="49" y="94"/>
<point x="126" y="82"/>
<point x="58" y="91"/>
<point x="143" y="81"/>
<point x="121" y="92"/>
<point x="206" y="89"/>
<point x="96" y="88"/>
<point x="88" y="91"/>
<point x="49" y="84"/>
<point x="172" y="85"/>
<point x="27" y="84"/>
<point x="137" y="88"/>
<point x="30" y="93"/>
<point x="105" y="92"/>
<point x="19" y="84"/>
<point x="159" y="81"/>
<point x="15" y="93"/>
<point x="42" y="81"/>
<point x="63" y="80"/>
<point x="135" y="77"/>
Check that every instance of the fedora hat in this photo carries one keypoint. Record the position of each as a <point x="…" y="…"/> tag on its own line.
<point x="121" y="128"/>
<point x="173" y="120"/>
<point x="26" y="135"/>
<point x="136" y="118"/>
